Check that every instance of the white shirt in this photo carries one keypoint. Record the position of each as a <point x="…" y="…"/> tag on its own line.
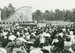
<point x="2" y="50"/>
<point x="42" y="38"/>
<point x="21" y="50"/>
<point x="5" y="33"/>
<point x="47" y="48"/>
<point x="72" y="38"/>
<point x="36" y="50"/>
<point x="12" y="37"/>
<point x="55" y="40"/>
<point x="71" y="50"/>
<point x="64" y="29"/>
<point x="67" y="43"/>
<point x="21" y="39"/>
<point x="47" y="35"/>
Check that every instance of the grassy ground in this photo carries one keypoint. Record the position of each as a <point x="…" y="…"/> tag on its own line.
<point x="55" y="23"/>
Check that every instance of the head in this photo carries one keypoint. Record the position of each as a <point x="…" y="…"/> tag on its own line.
<point x="71" y="32"/>
<point x="68" y="39"/>
<point x="61" y="34"/>
<point x="73" y="47"/>
<point x="18" y="43"/>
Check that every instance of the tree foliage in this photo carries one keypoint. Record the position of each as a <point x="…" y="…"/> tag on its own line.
<point x="65" y="15"/>
<point x="7" y="11"/>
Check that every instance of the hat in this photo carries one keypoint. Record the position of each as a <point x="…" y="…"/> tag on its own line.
<point x="18" y="43"/>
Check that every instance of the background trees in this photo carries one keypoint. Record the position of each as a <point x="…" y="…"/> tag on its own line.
<point x="7" y="11"/>
<point x="65" y="15"/>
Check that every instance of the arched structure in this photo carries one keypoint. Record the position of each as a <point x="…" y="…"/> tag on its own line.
<point x="23" y="14"/>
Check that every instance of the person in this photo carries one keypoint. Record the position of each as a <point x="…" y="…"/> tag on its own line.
<point x="2" y="50"/>
<point x="67" y="43"/>
<point x="60" y="42"/>
<point x="21" y="38"/>
<point x="18" y="47"/>
<point x="12" y="37"/>
<point x="46" y="47"/>
<point x="42" y="39"/>
<point x="27" y="34"/>
<point x="72" y="37"/>
<point x="66" y="51"/>
<point x="36" y="48"/>
<point x="72" y="49"/>
<point x="55" y="44"/>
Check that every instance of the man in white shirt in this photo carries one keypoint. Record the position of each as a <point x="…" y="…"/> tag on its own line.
<point x="72" y="37"/>
<point x="12" y="37"/>
<point x="2" y="50"/>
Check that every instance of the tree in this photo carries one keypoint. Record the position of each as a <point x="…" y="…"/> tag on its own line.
<point x="68" y="15"/>
<point x="65" y="15"/>
<point x="46" y="15"/>
<point x="58" y="14"/>
<point x="51" y="15"/>
<point x="73" y="15"/>
<point x="11" y="8"/>
<point x="7" y="11"/>
<point x="37" y="15"/>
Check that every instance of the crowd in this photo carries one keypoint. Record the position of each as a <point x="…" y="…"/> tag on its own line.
<point x="46" y="39"/>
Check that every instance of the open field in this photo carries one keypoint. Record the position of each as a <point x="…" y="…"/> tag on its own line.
<point x="55" y="23"/>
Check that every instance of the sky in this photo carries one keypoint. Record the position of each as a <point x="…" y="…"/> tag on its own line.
<point x="40" y="4"/>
